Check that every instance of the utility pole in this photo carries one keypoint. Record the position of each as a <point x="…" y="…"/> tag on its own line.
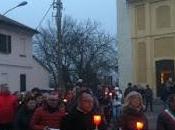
<point x="58" y="6"/>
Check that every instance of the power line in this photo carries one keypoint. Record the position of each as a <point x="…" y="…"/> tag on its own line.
<point x="44" y="16"/>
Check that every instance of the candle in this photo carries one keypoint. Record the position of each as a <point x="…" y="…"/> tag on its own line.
<point x="97" y="119"/>
<point x="110" y="94"/>
<point x="139" y="125"/>
<point x="65" y="100"/>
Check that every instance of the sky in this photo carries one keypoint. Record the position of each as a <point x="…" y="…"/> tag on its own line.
<point x="101" y="11"/>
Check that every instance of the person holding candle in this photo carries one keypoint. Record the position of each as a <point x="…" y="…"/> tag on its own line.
<point x="82" y="117"/>
<point x="132" y="117"/>
<point x="166" y="119"/>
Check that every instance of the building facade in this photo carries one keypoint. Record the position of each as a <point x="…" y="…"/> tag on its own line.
<point x="18" y="68"/>
<point x="150" y="37"/>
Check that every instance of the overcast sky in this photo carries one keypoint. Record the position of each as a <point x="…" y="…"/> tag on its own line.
<point x="102" y="11"/>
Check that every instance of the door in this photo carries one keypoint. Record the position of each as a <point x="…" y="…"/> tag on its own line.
<point x="164" y="71"/>
<point x="22" y="82"/>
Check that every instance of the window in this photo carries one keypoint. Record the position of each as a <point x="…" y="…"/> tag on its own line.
<point x="5" y="44"/>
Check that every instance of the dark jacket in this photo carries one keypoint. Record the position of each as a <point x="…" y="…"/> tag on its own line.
<point x="165" y="122"/>
<point x="77" y="120"/>
<point x="23" y="118"/>
<point x="148" y="94"/>
<point x="129" y="119"/>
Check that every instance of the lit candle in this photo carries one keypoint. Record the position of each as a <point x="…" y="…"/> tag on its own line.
<point x="65" y="100"/>
<point x="139" y="125"/>
<point x="110" y="94"/>
<point x="97" y="120"/>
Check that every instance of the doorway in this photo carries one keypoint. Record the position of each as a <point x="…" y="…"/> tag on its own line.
<point x="22" y="82"/>
<point x="164" y="71"/>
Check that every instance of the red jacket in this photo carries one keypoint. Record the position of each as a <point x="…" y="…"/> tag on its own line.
<point x="42" y="118"/>
<point x="8" y="106"/>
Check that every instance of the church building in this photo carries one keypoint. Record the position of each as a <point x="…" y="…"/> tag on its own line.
<point x="146" y="36"/>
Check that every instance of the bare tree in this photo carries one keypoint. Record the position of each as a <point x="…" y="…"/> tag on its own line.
<point x="86" y="51"/>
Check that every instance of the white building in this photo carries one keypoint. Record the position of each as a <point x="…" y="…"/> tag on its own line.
<point x="18" y="68"/>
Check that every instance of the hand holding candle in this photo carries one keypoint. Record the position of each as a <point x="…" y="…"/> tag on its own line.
<point x="139" y="125"/>
<point x="97" y="120"/>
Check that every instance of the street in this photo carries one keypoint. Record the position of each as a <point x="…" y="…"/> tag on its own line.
<point x="152" y="116"/>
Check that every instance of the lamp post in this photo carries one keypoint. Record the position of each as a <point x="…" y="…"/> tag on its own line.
<point x="20" y="4"/>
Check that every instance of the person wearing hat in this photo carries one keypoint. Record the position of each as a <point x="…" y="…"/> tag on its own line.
<point x="132" y="113"/>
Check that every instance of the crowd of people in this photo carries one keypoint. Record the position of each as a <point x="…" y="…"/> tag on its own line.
<point x="75" y="109"/>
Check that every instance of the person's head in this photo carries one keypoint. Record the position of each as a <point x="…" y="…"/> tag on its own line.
<point x="35" y="91"/>
<point x="129" y="84"/>
<point x="4" y="89"/>
<point x="134" y="100"/>
<point x="171" y="102"/>
<point x="30" y="103"/>
<point x="147" y="86"/>
<point x="85" y="102"/>
<point x="52" y="101"/>
<point x="39" y="98"/>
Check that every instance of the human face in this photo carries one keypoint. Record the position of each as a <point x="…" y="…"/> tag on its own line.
<point x="52" y="102"/>
<point x="135" y="102"/>
<point x="39" y="99"/>
<point x="31" y="104"/>
<point x="86" y="103"/>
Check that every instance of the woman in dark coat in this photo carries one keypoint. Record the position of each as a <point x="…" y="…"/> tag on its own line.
<point x="24" y="115"/>
<point x="132" y="113"/>
<point x="166" y="119"/>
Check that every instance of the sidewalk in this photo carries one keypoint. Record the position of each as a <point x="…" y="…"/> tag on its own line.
<point x="152" y="116"/>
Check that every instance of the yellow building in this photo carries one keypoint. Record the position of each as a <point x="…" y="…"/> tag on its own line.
<point x="146" y="33"/>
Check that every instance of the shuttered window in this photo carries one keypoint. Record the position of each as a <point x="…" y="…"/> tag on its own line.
<point x="5" y="44"/>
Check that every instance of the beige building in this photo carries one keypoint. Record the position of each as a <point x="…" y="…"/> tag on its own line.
<point x="146" y="31"/>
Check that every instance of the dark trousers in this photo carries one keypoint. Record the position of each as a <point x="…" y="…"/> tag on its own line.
<point x="6" y="126"/>
<point x="149" y="103"/>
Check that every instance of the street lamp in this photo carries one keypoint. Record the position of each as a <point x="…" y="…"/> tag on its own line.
<point x="20" y="4"/>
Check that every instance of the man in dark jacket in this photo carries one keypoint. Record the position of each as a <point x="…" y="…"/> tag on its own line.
<point x="81" y="118"/>
<point x="148" y="98"/>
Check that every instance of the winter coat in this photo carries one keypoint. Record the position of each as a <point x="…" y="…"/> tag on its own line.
<point x="8" y="106"/>
<point x="44" y="116"/>
<point x="23" y="118"/>
<point x="129" y="119"/>
<point x="77" y="120"/>
<point x="165" y="121"/>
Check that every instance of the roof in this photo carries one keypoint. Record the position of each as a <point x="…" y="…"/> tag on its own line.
<point x="8" y="21"/>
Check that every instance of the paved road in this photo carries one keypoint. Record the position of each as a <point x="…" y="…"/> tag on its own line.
<point x="152" y="116"/>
